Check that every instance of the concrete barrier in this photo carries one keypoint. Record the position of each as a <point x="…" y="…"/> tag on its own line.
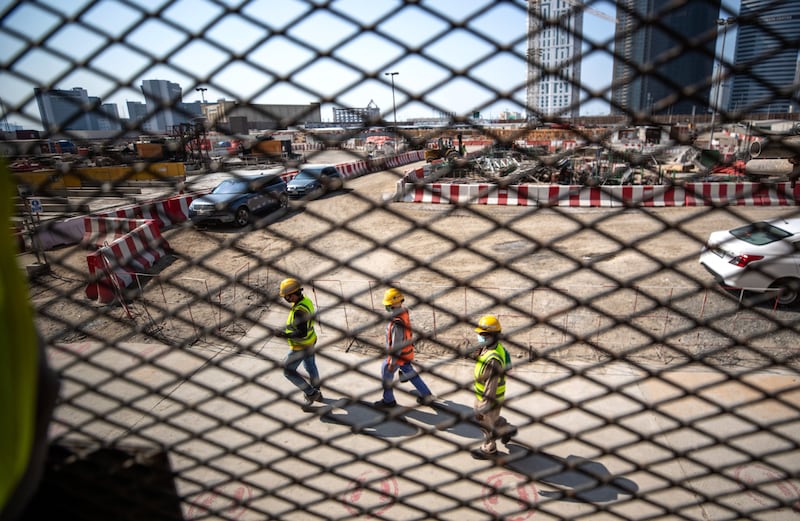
<point x="411" y="189"/>
<point x="100" y="231"/>
<point x="112" y="268"/>
<point x="649" y="195"/>
<point x="742" y="194"/>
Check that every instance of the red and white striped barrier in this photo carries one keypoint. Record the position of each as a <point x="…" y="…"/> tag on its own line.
<point x="112" y="268"/>
<point x="103" y="230"/>
<point x="166" y="212"/>
<point x="742" y="194"/>
<point x="107" y="226"/>
<point x="570" y="195"/>
<point x="647" y="195"/>
<point x="409" y="189"/>
<point x="125" y="212"/>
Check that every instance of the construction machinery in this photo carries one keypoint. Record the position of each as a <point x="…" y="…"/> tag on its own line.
<point x="444" y="149"/>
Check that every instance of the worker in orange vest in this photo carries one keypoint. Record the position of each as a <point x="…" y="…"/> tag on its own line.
<point x="400" y="352"/>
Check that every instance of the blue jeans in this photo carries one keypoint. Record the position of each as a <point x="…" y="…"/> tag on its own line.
<point x="292" y="362"/>
<point x="388" y="377"/>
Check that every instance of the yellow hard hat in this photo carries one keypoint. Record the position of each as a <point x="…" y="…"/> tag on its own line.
<point x="392" y="296"/>
<point x="488" y="324"/>
<point x="289" y="286"/>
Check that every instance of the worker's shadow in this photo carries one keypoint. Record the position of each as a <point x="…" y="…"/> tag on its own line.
<point x="448" y="416"/>
<point x="362" y="418"/>
<point x="575" y="478"/>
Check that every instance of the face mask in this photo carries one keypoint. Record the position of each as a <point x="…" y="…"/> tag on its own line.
<point x="389" y="309"/>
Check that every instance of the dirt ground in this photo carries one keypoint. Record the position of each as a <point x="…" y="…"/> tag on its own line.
<point x="559" y="276"/>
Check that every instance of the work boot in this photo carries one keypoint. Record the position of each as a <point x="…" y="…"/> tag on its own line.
<point x="426" y="400"/>
<point x="479" y="454"/>
<point x="315" y="396"/>
<point x="509" y="434"/>
<point x="380" y="404"/>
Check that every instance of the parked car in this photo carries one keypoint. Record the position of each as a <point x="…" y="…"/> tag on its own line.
<point x="314" y="180"/>
<point x="235" y="200"/>
<point x="759" y="257"/>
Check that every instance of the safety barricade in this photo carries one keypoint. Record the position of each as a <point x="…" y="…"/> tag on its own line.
<point x="156" y="210"/>
<point x="647" y="195"/>
<point x="177" y="208"/>
<point x="572" y="195"/>
<point x="347" y="170"/>
<point x="112" y="267"/>
<point x="409" y="189"/>
<point x="521" y="195"/>
<point x="739" y="194"/>
<point x="99" y="230"/>
<point x="107" y="226"/>
<point x="124" y="212"/>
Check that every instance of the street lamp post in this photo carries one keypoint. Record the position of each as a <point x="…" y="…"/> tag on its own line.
<point x="394" y="107"/>
<point x="724" y="23"/>
<point x="202" y="91"/>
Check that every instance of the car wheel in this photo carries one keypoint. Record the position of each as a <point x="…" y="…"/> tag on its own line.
<point x="242" y="216"/>
<point x="788" y="291"/>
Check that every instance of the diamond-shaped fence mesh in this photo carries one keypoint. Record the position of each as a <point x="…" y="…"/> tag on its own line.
<point x="637" y="386"/>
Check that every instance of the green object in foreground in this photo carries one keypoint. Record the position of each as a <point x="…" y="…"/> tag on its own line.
<point x="18" y="355"/>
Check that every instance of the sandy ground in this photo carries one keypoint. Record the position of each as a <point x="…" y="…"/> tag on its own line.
<point x="559" y="277"/>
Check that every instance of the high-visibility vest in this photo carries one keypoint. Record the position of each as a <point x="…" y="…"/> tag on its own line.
<point x="500" y="354"/>
<point x="406" y="353"/>
<point x="311" y="334"/>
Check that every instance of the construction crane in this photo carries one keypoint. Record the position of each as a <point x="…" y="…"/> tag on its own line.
<point x="592" y="11"/>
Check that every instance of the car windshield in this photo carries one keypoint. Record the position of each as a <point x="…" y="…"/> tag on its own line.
<point x="232" y="186"/>
<point x="760" y="233"/>
<point x="308" y="175"/>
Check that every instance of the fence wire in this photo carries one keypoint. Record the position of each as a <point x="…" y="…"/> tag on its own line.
<point x="639" y="388"/>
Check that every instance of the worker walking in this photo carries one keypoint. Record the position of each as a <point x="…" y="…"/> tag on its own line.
<point x="400" y="352"/>
<point x="302" y="338"/>
<point x="493" y="363"/>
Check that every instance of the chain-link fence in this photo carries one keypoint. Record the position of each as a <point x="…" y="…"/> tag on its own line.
<point x="638" y="388"/>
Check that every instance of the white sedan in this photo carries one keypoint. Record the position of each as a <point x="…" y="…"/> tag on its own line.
<point x="759" y="257"/>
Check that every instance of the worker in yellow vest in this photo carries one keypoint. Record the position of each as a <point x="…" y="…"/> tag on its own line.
<point x="302" y="338"/>
<point x="493" y="363"/>
<point x="28" y="387"/>
<point x="400" y="352"/>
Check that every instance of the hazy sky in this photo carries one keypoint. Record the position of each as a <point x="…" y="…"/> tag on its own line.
<point x="451" y="55"/>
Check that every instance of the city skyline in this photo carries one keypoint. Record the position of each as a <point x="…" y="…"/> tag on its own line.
<point x="314" y="56"/>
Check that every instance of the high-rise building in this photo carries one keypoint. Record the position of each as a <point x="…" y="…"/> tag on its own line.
<point x="109" y="117"/>
<point x="65" y="109"/>
<point x="663" y="56"/>
<point x="554" y="65"/>
<point x="163" y="101"/>
<point x="137" y="112"/>
<point x="766" y="76"/>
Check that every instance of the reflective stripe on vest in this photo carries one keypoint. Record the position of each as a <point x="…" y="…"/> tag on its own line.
<point x="311" y="335"/>
<point x="406" y="354"/>
<point x="500" y="354"/>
